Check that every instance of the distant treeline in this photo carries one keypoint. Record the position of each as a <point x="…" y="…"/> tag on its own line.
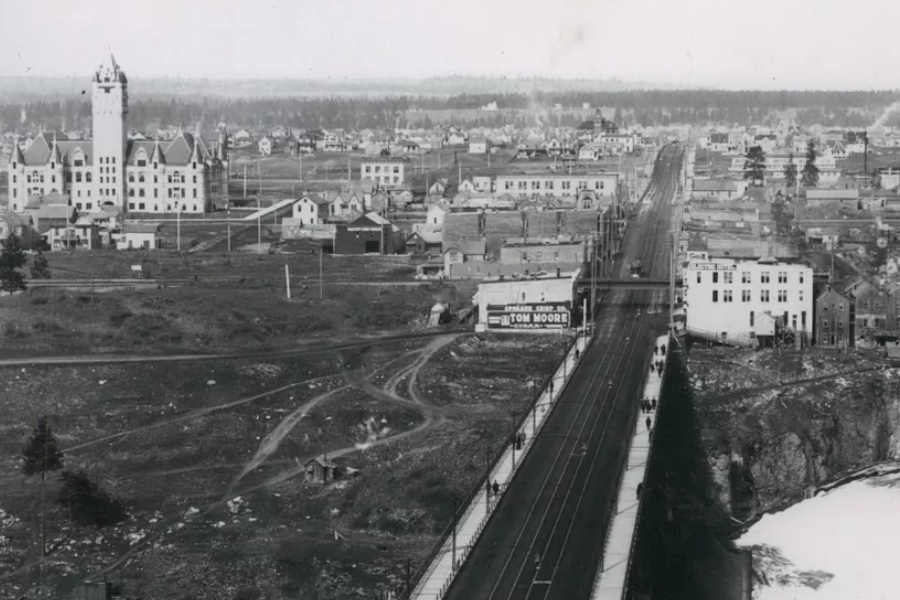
<point x="654" y="107"/>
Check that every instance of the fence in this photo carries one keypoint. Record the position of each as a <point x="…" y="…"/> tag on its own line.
<point x="430" y="562"/>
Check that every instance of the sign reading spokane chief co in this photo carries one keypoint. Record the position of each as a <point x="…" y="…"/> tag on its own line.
<point x="548" y="315"/>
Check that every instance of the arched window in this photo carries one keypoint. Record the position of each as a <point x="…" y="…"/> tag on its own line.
<point x="130" y="178"/>
<point x="88" y="177"/>
<point x="131" y="193"/>
<point x="141" y="178"/>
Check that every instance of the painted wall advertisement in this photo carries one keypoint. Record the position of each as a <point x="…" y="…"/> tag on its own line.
<point x="546" y="315"/>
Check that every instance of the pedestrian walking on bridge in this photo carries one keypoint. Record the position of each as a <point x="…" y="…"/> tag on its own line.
<point x="663" y="350"/>
<point x="653" y="404"/>
<point x="640" y="488"/>
<point x="649" y="422"/>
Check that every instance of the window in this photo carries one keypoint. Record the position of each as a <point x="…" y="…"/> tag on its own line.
<point x="764" y="277"/>
<point x="141" y="179"/>
<point x="726" y="296"/>
<point x="141" y="206"/>
<point x="170" y="192"/>
<point x="454" y="256"/>
<point x="15" y="193"/>
<point x="114" y="160"/>
<point x="156" y="193"/>
<point x="141" y="192"/>
<point x="155" y="165"/>
<point x="715" y="295"/>
<point x="745" y="295"/>
<point x="78" y="177"/>
<point x="523" y="185"/>
<point x="182" y="179"/>
<point x="548" y="185"/>
<point x="194" y="165"/>
<point x="14" y="178"/>
<point x="715" y="277"/>
<point x="195" y="179"/>
<point x="141" y="162"/>
<point x="782" y="295"/>
<point x="751" y="318"/>
<point x="729" y="277"/>
<point x="68" y="178"/>
<point x="195" y="192"/>
<point x="699" y="277"/>
<point x="764" y="296"/>
<point x="801" y="276"/>
<point x="170" y="179"/>
<point x="800" y="297"/>
<point x="131" y="193"/>
<point x="131" y="206"/>
<point x="156" y="179"/>
<point x="368" y="169"/>
<point x="131" y="179"/>
<point x="396" y="170"/>
<point x="782" y="276"/>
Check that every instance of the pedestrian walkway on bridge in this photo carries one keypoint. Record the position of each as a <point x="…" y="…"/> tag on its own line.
<point x="612" y="573"/>
<point x="440" y="573"/>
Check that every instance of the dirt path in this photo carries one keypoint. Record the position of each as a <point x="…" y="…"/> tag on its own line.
<point x="433" y="416"/>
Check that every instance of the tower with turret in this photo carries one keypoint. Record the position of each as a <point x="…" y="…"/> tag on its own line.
<point x="109" y="100"/>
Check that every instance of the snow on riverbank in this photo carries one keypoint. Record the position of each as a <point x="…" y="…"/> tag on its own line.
<point x="839" y="545"/>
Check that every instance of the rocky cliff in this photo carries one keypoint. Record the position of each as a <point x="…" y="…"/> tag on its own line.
<point x="775" y="424"/>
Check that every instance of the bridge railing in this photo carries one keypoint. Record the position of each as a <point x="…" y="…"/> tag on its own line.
<point x="429" y="563"/>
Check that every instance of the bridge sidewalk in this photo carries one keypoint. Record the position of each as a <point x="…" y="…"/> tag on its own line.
<point x="437" y="579"/>
<point x="612" y="573"/>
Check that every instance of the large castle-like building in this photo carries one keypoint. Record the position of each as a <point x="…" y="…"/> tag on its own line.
<point x="181" y="175"/>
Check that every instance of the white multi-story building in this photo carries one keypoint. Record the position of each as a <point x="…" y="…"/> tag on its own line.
<point x="556" y="185"/>
<point x="181" y="175"/>
<point x="775" y="163"/>
<point x="740" y="299"/>
<point x="385" y="171"/>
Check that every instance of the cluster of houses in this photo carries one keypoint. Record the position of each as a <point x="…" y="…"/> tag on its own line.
<point x="53" y="223"/>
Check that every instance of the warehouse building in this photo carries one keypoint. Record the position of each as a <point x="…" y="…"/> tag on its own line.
<point x="534" y="304"/>
<point x="369" y="234"/>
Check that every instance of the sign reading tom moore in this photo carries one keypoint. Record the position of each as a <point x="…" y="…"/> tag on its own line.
<point x="548" y="315"/>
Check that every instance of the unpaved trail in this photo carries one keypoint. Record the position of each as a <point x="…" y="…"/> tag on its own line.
<point x="271" y="442"/>
<point x="433" y="415"/>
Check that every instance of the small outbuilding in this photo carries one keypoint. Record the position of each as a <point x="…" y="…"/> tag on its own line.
<point x="319" y="470"/>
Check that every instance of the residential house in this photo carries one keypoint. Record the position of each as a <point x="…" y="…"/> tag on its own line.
<point x="401" y="198"/>
<point x="241" y="139"/>
<point x="483" y="183"/>
<point x="310" y="209"/>
<point x="456" y="139"/>
<point x="22" y="226"/>
<point x="719" y="189"/>
<point x="435" y="216"/>
<point x="61" y="233"/>
<point x="871" y="306"/>
<point x="590" y="152"/>
<point x="835" y="319"/>
<point x="467" y="187"/>
<point x="331" y="142"/>
<point x="889" y="178"/>
<point x="265" y="146"/>
<point x="718" y="142"/>
<point x="384" y="171"/>
<point x="405" y="147"/>
<point x="137" y="236"/>
<point x="424" y="242"/>
<point x="478" y="145"/>
<point x="554" y="147"/>
<point x="458" y="253"/>
<point x="342" y="205"/>
<point x="438" y="188"/>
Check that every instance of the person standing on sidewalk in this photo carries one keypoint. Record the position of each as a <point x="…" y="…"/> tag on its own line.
<point x="649" y="422"/>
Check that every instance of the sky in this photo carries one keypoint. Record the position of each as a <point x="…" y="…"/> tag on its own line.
<point x="731" y="44"/>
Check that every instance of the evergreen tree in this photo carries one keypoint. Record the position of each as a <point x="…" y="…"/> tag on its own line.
<point x="40" y="269"/>
<point x="790" y="173"/>
<point x="810" y="176"/>
<point x="12" y="259"/>
<point x="42" y="453"/>
<point x="755" y="165"/>
<point x="87" y="503"/>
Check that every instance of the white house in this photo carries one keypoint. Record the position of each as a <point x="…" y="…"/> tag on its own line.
<point x="719" y="189"/>
<point x="737" y="299"/>
<point x="138" y="236"/>
<point x="265" y="146"/>
<point x="483" y="183"/>
<point x="435" y="216"/>
<point x="478" y="145"/>
<point x="310" y="210"/>
<point x="556" y="185"/>
<point x="384" y="171"/>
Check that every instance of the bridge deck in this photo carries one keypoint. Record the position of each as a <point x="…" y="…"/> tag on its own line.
<point x="612" y="575"/>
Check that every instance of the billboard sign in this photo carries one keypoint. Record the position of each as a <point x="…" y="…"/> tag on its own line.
<point x="546" y="315"/>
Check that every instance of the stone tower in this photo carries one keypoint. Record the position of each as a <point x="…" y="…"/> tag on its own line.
<point x="110" y="109"/>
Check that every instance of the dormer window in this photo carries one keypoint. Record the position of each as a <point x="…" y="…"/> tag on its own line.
<point x="195" y="165"/>
<point x="155" y="165"/>
<point x="53" y="165"/>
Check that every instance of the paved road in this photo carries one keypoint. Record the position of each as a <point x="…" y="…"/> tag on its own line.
<point x="557" y="506"/>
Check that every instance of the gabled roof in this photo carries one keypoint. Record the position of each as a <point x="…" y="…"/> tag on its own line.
<point x="375" y="218"/>
<point x="313" y="198"/>
<point x="429" y="237"/>
<point x="179" y="151"/>
<point x="323" y="462"/>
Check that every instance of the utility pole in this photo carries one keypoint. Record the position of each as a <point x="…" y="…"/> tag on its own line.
<point x="178" y="225"/>
<point x="455" y="510"/>
<point x="228" y="216"/>
<point x="245" y="180"/>
<point x="287" y="280"/>
<point x="321" y="260"/>
<point x="91" y="261"/>
<point x="513" y="438"/>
